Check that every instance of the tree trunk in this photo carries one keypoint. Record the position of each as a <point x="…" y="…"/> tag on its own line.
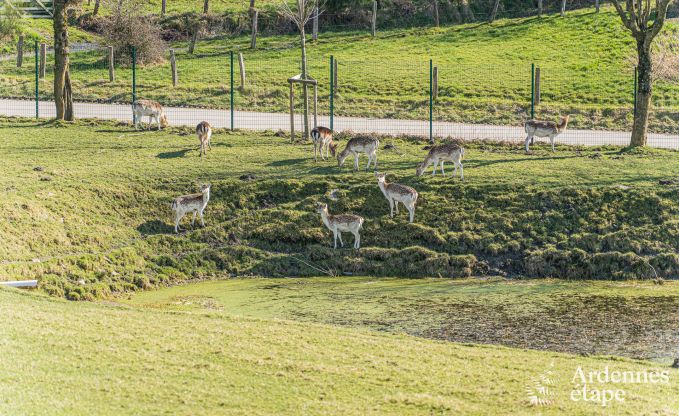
<point x="62" y="81"/>
<point x="493" y="14"/>
<point x="163" y="8"/>
<point x="436" y="13"/>
<point x="467" y="15"/>
<point x="563" y="8"/>
<point x="206" y="6"/>
<point x="539" y="7"/>
<point x="96" y="7"/>
<point x="305" y="88"/>
<point x="194" y="39"/>
<point x="644" y="91"/>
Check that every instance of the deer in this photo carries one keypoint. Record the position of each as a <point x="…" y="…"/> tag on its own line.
<point x="395" y="193"/>
<point x="537" y="128"/>
<point x="204" y="132"/>
<point x="195" y="203"/>
<point x="322" y="137"/>
<point x="360" y="144"/>
<point x="448" y="151"/>
<point x="341" y="223"/>
<point x="149" y="108"/>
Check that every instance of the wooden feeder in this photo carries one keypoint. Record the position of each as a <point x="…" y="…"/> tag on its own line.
<point x="309" y="81"/>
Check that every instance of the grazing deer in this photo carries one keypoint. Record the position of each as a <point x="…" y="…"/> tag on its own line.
<point x="448" y="151"/>
<point x="360" y="144"/>
<point x="341" y="223"/>
<point x="204" y="132"/>
<point x="195" y="203"/>
<point x="322" y="137"/>
<point x="536" y="128"/>
<point x="395" y="193"/>
<point x="149" y="108"/>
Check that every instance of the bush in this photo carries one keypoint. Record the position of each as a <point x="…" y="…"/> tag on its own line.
<point x="127" y="28"/>
<point x="9" y="23"/>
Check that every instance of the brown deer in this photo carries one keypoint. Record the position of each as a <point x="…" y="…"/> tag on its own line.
<point x="360" y="144"/>
<point x="537" y="128"/>
<point x="195" y="203"/>
<point x="204" y="132"/>
<point x="341" y="223"/>
<point x="395" y="193"/>
<point x="149" y="108"/>
<point x="322" y="137"/>
<point x="448" y="151"/>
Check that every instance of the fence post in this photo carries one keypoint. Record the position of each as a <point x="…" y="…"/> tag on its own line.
<point x="598" y="5"/>
<point x="532" y="91"/>
<point x="111" y="70"/>
<point x="332" y="92"/>
<point x="431" y="101"/>
<point x="241" y="65"/>
<point x="20" y="51"/>
<point x="537" y="86"/>
<point x="335" y="76"/>
<point x="134" y="82"/>
<point x="436" y="82"/>
<point x="253" y="41"/>
<point x="37" y="83"/>
<point x="43" y="59"/>
<point x="314" y="32"/>
<point x="173" y="65"/>
<point x="292" y="112"/>
<point x="231" y="89"/>
<point x="374" y="19"/>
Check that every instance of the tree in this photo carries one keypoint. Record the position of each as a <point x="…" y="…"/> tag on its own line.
<point x="97" y="3"/>
<point x="63" y="97"/>
<point x="493" y="13"/>
<point x="206" y="6"/>
<point x="636" y="17"/>
<point x="304" y="11"/>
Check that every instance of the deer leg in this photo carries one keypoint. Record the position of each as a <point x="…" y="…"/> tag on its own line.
<point x="202" y="222"/>
<point x="411" y="210"/>
<point x="443" y="172"/>
<point x="391" y="208"/>
<point x="529" y="138"/>
<point x="396" y="206"/>
<point x="375" y="160"/>
<point x="194" y="218"/>
<point x="209" y="142"/>
<point x="339" y="235"/>
<point x="357" y="240"/>
<point x="461" y="171"/>
<point x="334" y="237"/>
<point x="355" y="161"/>
<point x="315" y="150"/>
<point x="551" y="139"/>
<point x="177" y="218"/>
<point x="370" y="158"/>
<point x="436" y="164"/>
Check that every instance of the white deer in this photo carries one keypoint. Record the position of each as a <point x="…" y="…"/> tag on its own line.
<point x="204" y="132"/>
<point x="341" y="223"/>
<point x="448" y="151"/>
<point x="149" y="108"/>
<point x="537" y="128"/>
<point x="360" y="144"/>
<point x="395" y="193"/>
<point x="322" y="137"/>
<point x="195" y="203"/>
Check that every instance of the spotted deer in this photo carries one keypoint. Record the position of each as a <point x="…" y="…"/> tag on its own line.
<point x="149" y="108"/>
<point x="322" y="137"/>
<point x="360" y="144"/>
<point x="449" y="151"/>
<point x="195" y="203"/>
<point x="341" y="223"/>
<point x="537" y="128"/>
<point x="395" y="193"/>
<point x="204" y="132"/>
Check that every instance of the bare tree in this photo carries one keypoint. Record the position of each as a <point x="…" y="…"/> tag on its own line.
<point x="97" y="3"/>
<point x="300" y="15"/>
<point x="63" y="97"/>
<point x="636" y="16"/>
<point x="493" y="13"/>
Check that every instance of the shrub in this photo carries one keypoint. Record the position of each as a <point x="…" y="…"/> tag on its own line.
<point x="127" y="28"/>
<point x="9" y="23"/>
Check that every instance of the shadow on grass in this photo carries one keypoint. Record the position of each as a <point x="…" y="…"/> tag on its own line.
<point x="287" y="162"/>
<point x="155" y="227"/>
<point x="175" y="154"/>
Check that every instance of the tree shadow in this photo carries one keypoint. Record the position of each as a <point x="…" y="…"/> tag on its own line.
<point x="155" y="227"/>
<point x="287" y="162"/>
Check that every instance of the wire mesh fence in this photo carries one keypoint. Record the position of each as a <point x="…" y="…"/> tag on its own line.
<point x="414" y="96"/>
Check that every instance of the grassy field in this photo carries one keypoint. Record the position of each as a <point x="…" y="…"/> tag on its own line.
<point x="114" y="360"/>
<point x="632" y="319"/>
<point x="484" y="73"/>
<point x="85" y="209"/>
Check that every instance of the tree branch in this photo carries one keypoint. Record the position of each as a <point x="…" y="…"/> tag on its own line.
<point x="623" y="16"/>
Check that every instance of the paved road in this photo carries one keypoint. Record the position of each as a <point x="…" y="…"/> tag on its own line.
<point x="281" y="121"/>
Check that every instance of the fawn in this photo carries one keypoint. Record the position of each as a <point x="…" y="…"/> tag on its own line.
<point x="448" y="151"/>
<point x="195" y="203"/>
<point x="149" y="108"/>
<point x="536" y="128"/>
<point x="204" y="132"/>
<point x="360" y="144"/>
<point x="341" y="223"/>
<point x="322" y="137"/>
<point x="395" y="193"/>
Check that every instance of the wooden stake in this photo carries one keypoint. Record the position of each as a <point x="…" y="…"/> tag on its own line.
<point x="563" y="8"/>
<point x="111" y="71"/>
<point x="435" y="87"/>
<point x="194" y="39"/>
<point x="436" y="13"/>
<point x="241" y="64"/>
<point x="253" y="41"/>
<point x="374" y="18"/>
<point x="539" y="7"/>
<point x="163" y="7"/>
<point x="43" y="58"/>
<point x="314" y="33"/>
<point x="20" y="51"/>
<point x="315" y="105"/>
<point x="334" y="74"/>
<point x="292" y="113"/>
<point x="173" y="64"/>
<point x="537" y="85"/>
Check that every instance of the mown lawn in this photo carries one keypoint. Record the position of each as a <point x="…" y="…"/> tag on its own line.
<point x="484" y="73"/>
<point x="83" y="358"/>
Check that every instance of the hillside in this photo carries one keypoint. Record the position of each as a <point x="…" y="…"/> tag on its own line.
<point x="109" y="360"/>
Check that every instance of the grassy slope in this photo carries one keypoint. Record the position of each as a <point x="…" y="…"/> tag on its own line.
<point x="41" y="30"/>
<point x="111" y="360"/>
<point x="106" y="189"/>
<point x="484" y="73"/>
<point x="635" y="317"/>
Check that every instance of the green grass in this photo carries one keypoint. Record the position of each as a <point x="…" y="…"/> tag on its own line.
<point x="631" y="319"/>
<point x="113" y="360"/>
<point x="484" y="73"/>
<point x="96" y="220"/>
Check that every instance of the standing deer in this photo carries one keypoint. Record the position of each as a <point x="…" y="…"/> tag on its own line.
<point x="204" y="132"/>
<point x="448" y="151"/>
<point x="322" y="137"/>
<point x="395" y="193"/>
<point x="360" y="144"/>
<point x="341" y="223"/>
<point x="195" y="203"/>
<point x="149" y="108"/>
<point x="536" y="128"/>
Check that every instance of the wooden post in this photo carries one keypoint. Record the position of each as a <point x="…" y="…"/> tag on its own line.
<point x="436" y="13"/>
<point x="111" y="73"/>
<point x="43" y="59"/>
<point x="563" y="8"/>
<point x="374" y="18"/>
<point x="598" y="5"/>
<point x="314" y="33"/>
<point x="315" y="105"/>
<point x="163" y="7"/>
<point x="334" y="74"/>
<point x="20" y="51"/>
<point x="540" y="7"/>
<point x="253" y="41"/>
<point x="292" y="113"/>
<point x="493" y="14"/>
<point x="173" y="64"/>
<point x="537" y="85"/>
<point x="194" y="39"/>
<point x="241" y="64"/>
<point x="435" y="88"/>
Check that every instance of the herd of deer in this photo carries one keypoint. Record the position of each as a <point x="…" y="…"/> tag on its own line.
<point x="395" y="193"/>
